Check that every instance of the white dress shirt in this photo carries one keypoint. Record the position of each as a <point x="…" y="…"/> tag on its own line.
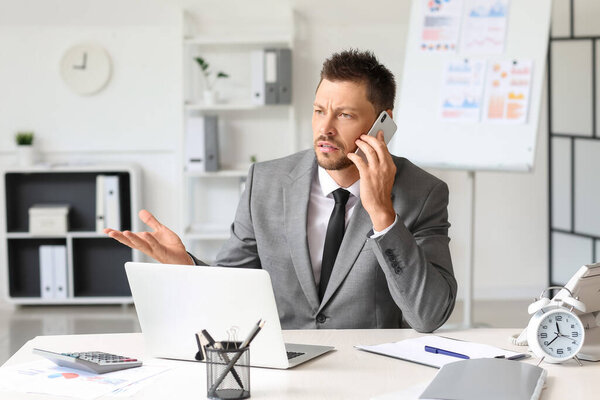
<point x="320" y="206"/>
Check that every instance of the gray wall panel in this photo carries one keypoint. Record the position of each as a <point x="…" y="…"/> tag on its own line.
<point x="586" y="17"/>
<point x="587" y="187"/>
<point x="561" y="18"/>
<point x="572" y="87"/>
<point x="569" y="252"/>
<point x="561" y="183"/>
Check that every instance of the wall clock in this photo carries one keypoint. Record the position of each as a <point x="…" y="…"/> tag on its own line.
<point x="86" y="68"/>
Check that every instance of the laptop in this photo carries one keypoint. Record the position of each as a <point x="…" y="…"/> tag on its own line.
<point x="173" y="302"/>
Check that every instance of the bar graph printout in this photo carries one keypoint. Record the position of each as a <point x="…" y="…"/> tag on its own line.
<point x="508" y="91"/>
<point x="462" y="90"/>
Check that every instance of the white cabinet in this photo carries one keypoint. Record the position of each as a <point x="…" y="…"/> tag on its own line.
<point x="95" y="272"/>
<point x="247" y="131"/>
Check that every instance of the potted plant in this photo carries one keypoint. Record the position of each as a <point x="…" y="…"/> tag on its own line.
<point x="25" y="151"/>
<point x="210" y="96"/>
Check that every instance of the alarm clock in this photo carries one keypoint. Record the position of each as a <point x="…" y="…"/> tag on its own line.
<point x="555" y="333"/>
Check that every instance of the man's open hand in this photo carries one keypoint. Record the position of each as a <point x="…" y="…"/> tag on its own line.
<point x="162" y="244"/>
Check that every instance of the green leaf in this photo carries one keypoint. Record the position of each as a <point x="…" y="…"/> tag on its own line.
<point x="203" y="64"/>
<point x="222" y="74"/>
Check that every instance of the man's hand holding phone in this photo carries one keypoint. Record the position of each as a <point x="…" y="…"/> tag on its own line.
<point x="162" y="244"/>
<point x="377" y="175"/>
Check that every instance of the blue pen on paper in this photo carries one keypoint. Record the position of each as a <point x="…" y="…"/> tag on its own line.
<point x="435" y="350"/>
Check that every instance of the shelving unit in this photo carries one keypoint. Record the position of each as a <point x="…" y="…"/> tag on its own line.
<point x="95" y="270"/>
<point x="245" y="129"/>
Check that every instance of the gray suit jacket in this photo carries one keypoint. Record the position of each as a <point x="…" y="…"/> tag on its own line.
<point x="403" y="278"/>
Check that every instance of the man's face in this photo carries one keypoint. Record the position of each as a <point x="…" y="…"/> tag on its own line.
<point x="341" y="113"/>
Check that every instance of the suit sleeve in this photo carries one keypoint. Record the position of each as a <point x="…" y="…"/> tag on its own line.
<point x="417" y="264"/>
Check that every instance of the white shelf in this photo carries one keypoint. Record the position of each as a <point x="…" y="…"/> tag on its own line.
<point x="241" y="173"/>
<point x="232" y="106"/>
<point x="64" y="167"/>
<point x="75" y="235"/>
<point x="207" y="232"/>
<point x="257" y="40"/>
<point x="71" y="300"/>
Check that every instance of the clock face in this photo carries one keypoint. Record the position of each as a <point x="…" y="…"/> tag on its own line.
<point x="560" y="334"/>
<point x="86" y="68"/>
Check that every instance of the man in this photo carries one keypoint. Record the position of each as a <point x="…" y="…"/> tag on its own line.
<point x="392" y="268"/>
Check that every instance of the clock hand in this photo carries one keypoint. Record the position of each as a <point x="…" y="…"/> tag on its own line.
<point x="557" y="328"/>
<point x="553" y="340"/>
<point x="83" y="64"/>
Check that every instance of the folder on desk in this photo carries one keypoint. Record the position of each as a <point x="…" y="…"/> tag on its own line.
<point x="487" y="378"/>
<point x="414" y="350"/>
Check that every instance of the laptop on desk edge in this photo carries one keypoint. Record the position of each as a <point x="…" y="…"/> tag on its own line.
<point x="173" y="302"/>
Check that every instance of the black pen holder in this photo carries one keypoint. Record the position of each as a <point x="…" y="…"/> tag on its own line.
<point x="225" y="380"/>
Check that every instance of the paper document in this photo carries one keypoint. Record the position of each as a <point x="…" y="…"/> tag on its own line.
<point x="484" y="27"/>
<point x="45" y="377"/>
<point x="414" y="350"/>
<point x="462" y="90"/>
<point x="508" y="91"/>
<point x="441" y="25"/>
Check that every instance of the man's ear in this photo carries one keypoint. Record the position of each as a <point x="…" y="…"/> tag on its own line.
<point x="390" y="111"/>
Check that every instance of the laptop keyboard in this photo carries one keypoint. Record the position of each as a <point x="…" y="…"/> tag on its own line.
<point x="293" y="354"/>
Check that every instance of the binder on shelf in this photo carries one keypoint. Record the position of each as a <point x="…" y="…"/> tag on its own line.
<point x="100" y="224"/>
<point x="257" y="62"/>
<point x="53" y="271"/>
<point x="202" y="144"/>
<point x="112" y="202"/>
<point x="271" y="76"/>
<point x="46" y="272"/>
<point x="108" y="203"/>
<point x="284" y="76"/>
<point x="271" y="86"/>
<point x="60" y="272"/>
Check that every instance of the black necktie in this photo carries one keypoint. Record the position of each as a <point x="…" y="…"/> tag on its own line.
<point x="333" y="239"/>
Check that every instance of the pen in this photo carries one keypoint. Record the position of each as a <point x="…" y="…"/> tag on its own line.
<point x="435" y="350"/>
<point x="217" y="345"/>
<point x="246" y="343"/>
<point x="518" y="357"/>
<point x="253" y="333"/>
<point x="200" y="355"/>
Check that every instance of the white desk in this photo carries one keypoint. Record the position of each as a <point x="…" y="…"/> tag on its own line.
<point x="346" y="373"/>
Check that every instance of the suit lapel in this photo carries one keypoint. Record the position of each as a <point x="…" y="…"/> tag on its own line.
<point x="296" y="195"/>
<point x="353" y="242"/>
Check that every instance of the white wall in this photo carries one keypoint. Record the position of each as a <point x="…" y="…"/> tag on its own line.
<point x="138" y="116"/>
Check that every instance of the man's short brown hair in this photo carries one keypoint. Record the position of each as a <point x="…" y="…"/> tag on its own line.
<point x="362" y="66"/>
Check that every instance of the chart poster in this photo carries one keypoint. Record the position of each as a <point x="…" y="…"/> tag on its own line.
<point x="508" y="91"/>
<point x="484" y="26"/>
<point x="462" y="90"/>
<point x="441" y="25"/>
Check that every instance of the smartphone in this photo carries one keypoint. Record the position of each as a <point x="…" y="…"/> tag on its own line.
<point x="383" y="123"/>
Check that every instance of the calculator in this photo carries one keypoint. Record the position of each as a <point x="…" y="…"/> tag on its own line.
<point x="92" y="361"/>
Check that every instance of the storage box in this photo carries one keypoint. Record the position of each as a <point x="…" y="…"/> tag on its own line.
<point x="49" y="219"/>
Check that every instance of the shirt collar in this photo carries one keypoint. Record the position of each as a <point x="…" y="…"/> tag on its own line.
<point x="328" y="185"/>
